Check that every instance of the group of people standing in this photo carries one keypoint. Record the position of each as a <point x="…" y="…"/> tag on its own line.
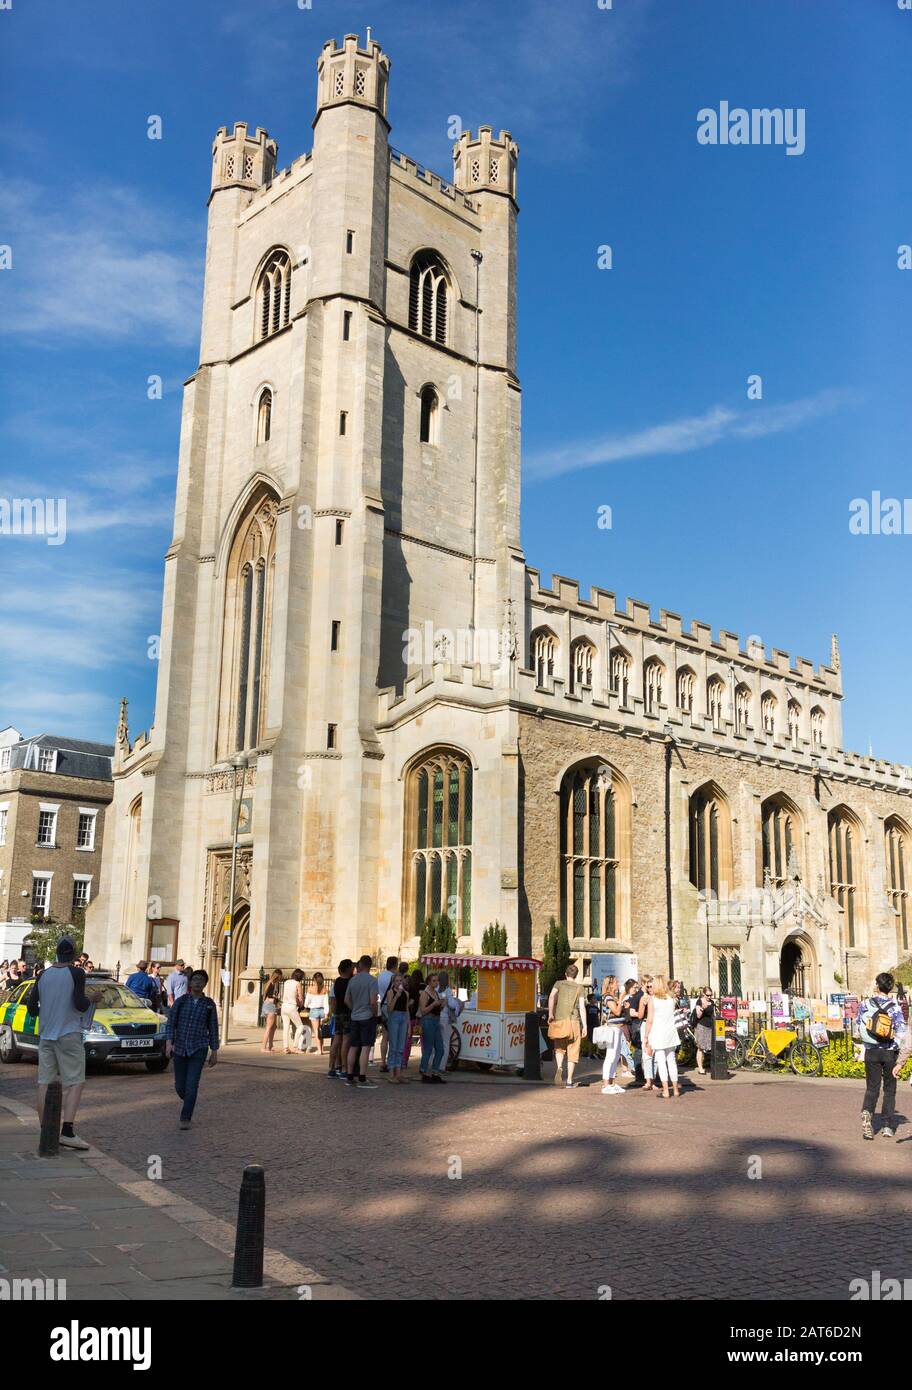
<point x="286" y="999"/>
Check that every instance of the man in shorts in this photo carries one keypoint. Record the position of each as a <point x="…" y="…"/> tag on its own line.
<point x="338" y="1048"/>
<point x="362" y="998"/>
<point x="63" y="1005"/>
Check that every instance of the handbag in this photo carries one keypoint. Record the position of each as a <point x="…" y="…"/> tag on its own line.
<point x="561" y="1029"/>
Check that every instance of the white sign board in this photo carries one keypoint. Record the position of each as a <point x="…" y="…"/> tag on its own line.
<point x="481" y="1036"/>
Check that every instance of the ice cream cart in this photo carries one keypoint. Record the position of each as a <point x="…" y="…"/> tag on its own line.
<point x="492" y="1027"/>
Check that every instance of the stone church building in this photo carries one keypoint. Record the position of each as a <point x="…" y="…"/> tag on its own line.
<point x="413" y="720"/>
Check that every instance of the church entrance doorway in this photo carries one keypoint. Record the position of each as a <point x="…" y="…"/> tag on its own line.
<point x="797" y="967"/>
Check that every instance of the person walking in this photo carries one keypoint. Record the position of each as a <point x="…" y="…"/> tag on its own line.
<point x="142" y="983"/>
<point x="341" y="1022"/>
<point x="63" y="1005"/>
<point x="660" y="1036"/>
<point x="612" y="1030"/>
<point x="566" y="1022"/>
<point x="270" y="1008"/>
<point x="430" y="1007"/>
<point x="316" y="1002"/>
<point x="636" y="1006"/>
<point x="292" y="1004"/>
<point x="362" y="999"/>
<point x="398" y="1020"/>
<point x="192" y="1038"/>
<point x="176" y="984"/>
<point x="881" y="1027"/>
<point x="703" y="1018"/>
<point x="155" y="977"/>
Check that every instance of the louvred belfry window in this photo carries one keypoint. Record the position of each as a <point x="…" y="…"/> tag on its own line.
<point x="274" y="295"/>
<point x="428" y="297"/>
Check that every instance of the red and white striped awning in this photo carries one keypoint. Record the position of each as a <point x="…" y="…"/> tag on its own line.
<point x="484" y="962"/>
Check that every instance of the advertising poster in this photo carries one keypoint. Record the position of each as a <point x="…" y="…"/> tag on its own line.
<point x="741" y="1027"/>
<point x="800" y="1009"/>
<point x="818" y="1034"/>
<point x="758" y="1006"/>
<point x="819" y="1010"/>
<point x="851" y="1006"/>
<point x="729" y="1007"/>
<point x="779" y="1004"/>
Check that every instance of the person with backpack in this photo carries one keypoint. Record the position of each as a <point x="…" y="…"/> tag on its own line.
<point x="881" y="1028"/>
<point x="192" y="1038"/>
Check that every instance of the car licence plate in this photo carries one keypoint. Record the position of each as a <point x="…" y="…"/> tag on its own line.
<point x="137" y="1042"/>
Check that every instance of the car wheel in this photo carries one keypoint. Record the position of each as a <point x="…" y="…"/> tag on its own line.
<point x="158" y="1063"/>
<point x="9" y="1052"/>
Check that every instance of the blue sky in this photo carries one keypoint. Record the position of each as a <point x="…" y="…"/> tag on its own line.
<point x="727" y="261"/>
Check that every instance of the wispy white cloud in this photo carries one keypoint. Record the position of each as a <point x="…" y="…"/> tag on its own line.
<point x="98" y="264"/>
<point x="716" y="426"/>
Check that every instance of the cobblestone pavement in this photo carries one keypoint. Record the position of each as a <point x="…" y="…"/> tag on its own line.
<point x="562" y="1192"/>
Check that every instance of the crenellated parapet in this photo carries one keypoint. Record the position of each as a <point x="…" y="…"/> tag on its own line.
<point x="485" y="163"/>
<point x="241" y="159"/>
<point x="411" y="169"/>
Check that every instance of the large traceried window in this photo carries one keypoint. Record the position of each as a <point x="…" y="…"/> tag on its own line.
<point x="897" y="838"/>
<point x="273" y="302"/>
<point x="710" y="841"/>
<point x="685" y="684"/>
<point x="715" y="697"/>
<point x="248" y="606"/>
<point x="779" y="836"/>
<point x="438" y="850"/>
<point x="742" y="709"/>
<point x="768" y="713"/>
<point x="620" y="675"/>
<point x="845" y="850"/>
<point x="544" y="650"/>
<point x="582" y="664"/>
<point x="594" y="854"/>
<point x="428" y="297"/>
<point x="653" y="685"/>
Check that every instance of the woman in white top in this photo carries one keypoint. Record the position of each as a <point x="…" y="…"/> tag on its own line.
<point x="612" y="1028"/>
<point x="292" y="1003"/>
<point x="316" y="1001"/>
<point x="660" y="1036"/>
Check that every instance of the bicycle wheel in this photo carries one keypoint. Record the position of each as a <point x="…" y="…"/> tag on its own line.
<point x="758" y="1058"/>
<point x="804" y="1058"/>
<point x="455" y="1048"/>
<point x="736" y="1057"/>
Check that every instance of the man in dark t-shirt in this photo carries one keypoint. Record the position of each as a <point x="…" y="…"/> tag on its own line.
<point x="341" y="1022"/>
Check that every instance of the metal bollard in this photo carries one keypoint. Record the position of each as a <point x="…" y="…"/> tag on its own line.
<point x="718" y="1069"/>
<point x="251" y="1230"/>
<point x="49" y="1140"/>
<point x="532" y="1049"/>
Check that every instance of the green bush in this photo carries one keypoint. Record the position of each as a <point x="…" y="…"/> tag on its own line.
<point x="835" y="1063"/>
<point x="494" y="940"/>
<point x="556" y="956"/>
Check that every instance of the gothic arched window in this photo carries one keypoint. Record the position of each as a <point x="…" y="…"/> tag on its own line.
<point x="544" y="650"/>
<point x="794" y="721"/>
<point x="594" y="853"/>
<point x="897" y="850"/>
<point x="582" y="662"/>
<point x="430" y="411"/>
<point x="653" y="683"/>
<point x="248" y="605"/>
<point x="428" y="297"/>
<point x="685" y="684"/>
<point x="710" y="841"/>
<point x="439" y="839"/>
<point x="818" y="724"/>
<point x="264" y="416"/>
<point x="620" y="675"/>
<point x="742" y="709"/>
<point x="778" y="830"/>
<point x="844" y="844"/>
<point x="715" y="695"/>
<point x="768" y="713"/>
<point x="274" y="294"/>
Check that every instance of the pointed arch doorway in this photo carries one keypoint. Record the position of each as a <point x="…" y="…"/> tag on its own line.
<point x="798" y="966"/>
<point x="240" y="947"/>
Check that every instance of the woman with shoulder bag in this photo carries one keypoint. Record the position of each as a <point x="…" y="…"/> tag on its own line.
<point x="398" y="1021"/>
<point x="609" y="1034"/>
<point x="703" y="1018"/>
<point x="566" y="1022"/>
<point x="316" y="1002"/>
<point x="430" y="1007"/>
<point x="270" y="1008"/>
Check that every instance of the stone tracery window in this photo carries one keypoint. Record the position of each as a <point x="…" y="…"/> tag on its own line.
<point x="742" y="709"/>
<point x="273" y="299"/>
<point x="897" y="852"/>
<point x="794" y="722"/>
<point x="653" y="681"/>
<point x="248" y="606"/>
<point x="439" y="826"/>
<point x="768" y="713"/>
<point x="715" y="696"/>
<point x="778" y="838"/>
<point x="428" y="297"/>
<point x="594" y="857"/>
<point x="543" y="652"/>
<point x="710" y="841"/>
<point x="685" y="684"/>
<point x="620" y="675"/>
<point x="817" y="726"/>
<point x="582" y="662"/>
<point x="844" y="846"/>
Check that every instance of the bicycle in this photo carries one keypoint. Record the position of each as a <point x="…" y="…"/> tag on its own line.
<point x="776" y="1047"/>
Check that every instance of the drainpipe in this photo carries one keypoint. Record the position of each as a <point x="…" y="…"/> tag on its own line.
<point x="477" y="258"/>
<point x="669" y="746"/>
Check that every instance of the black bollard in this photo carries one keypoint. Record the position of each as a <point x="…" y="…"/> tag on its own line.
<point x="49" y="1140"/>
<point x="251" y="1230"/>
<point x="719" y="1064"/>
<point x="532" y="1049"/>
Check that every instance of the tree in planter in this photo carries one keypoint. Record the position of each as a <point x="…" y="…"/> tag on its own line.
<point x="494" y="940"/>
<point x="438" y="935"/>
<point x="556" y="956"/>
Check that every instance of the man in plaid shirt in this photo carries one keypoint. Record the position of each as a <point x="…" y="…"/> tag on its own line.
<point x="191" y="1034"/>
